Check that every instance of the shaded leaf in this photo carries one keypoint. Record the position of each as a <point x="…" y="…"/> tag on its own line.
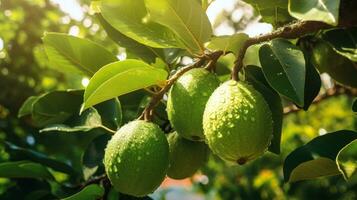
<point x="184" y="17"/>
<point x="75" y="55"/>
<point x="146" y="53"/>
<point x="87" y="121"/>
<point x="227" y="43"/>
<point x="318" y="157"/>
<point x="315" y="10"/>
<point x="284" y="67"/>
<point x="131" y="18"/>
<point x="354" y="106"/>
<point x="26" y="108"/>
<point x="111" y="113"/>
<point x="120" y="78"/>
<point x="20" y="153"/>
<point x="90" y="192"/>
<point x="56" y="107"/>
<point x="343" y="41"/>
<point x="312" y="84"/>
<point x="256" y="77"/>
<point x="24" y="169"/>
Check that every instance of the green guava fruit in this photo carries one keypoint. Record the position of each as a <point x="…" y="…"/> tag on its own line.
<point x="340" y="68"/>
<point x="186" y="102"/>
<point x="186" y="156"/>
<point x="137" y="158"/>
<point x="237" y="122"/>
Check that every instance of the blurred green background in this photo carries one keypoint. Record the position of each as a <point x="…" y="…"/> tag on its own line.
<point x="25" y="72"/>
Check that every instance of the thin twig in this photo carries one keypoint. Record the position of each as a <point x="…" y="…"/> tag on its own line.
<point x="290" y="31"/>
<point x="148" y="111"/>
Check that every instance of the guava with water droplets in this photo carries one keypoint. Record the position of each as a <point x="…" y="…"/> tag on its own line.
<point x="186" y="102"/>
<point x="136" y="158"/>
<point x="186" y="156"/>
<point x="237" y="122"/>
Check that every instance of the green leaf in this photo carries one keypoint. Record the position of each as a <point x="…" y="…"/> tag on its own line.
<point x="186" y="18"/>
<point x="346" y="160"/>
<point x="312" y="84"/>
<point x="146" y="53"/>
<point x="318" y="157"/>
<point x="343" y="41"/>
<point x="26" y="108"/>
<point x="354" y="106"/>
<point x="20" y="153"/>
<point x="93" y="156"/>
<point x="256" y="77"/>
<point x="75" y="55"/>
<point x="132" y="19"/>
<point x="111" y="113"/>
<point x="274" y="12"/>
<point x="228" y="43"/>
<point x="87" y="121"/>
<point x="284" y="67"/>
<point x="315" y="10"/>
<point x="90" y="192"/>
<point x="56" y="107"/>
<point x="120" y="78"/>
<point x="24" y="169"/>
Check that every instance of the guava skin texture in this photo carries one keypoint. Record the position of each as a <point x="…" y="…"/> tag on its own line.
<point x="186" y="156"/>
<point x="186" y="102"/>
<point x="137" y="158"/>
<point x="237" y="122"/>
<point x="343" y="70"/>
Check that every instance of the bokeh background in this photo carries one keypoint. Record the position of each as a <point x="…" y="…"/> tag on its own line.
<point x="24" y="72"/>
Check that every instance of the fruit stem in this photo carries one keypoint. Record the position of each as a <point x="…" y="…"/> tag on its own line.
<point x="290" y="31"/>
<point x="148" y="111"/>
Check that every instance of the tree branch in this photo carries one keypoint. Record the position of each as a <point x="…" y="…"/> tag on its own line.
<point x="290" y="31"/>
<point x="148" y="111"/>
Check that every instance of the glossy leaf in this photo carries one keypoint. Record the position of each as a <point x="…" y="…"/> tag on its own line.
<point x="120" y="78"/>
<point x="87" y="121"/>
<point x="75" y="55"/>
<point x="312" y="84"/>
<point x="227" y="43"/>
<point x="343" y="41"/>
<point x="315" y="10"/>
<point x="26" y="108"/>
<point x="146" y="53"/>
<point x="256" y="77"/>
<point x="56" y="107"/>
<point x="24" y="169"/>
<point x="90" y="192"/>
<point x="346" y="160"/>
<point x="186" y="18"/>
<point x="284" y="68"/>
<point x="318" y="157"/>
<point x="20" y="153"/>
<point x="131" y="18"/>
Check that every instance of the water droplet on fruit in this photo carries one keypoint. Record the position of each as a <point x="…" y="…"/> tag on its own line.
<point x="220" y="135"/>
<point x="139" y="157"/>
<point x="253" y="119"/>
<point x="245" y="111"/>
<point x="119" y="160"/>
<point x="232" y="83"/>
<point x="230" y="116"/>
<point x="231" y="125"/>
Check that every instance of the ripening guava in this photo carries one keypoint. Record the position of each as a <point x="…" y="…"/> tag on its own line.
<point x="186" y="156"/>
<point x="136" y="158"/>
<point x="237" y="122"/>
<point x="186" y="102"/>
<point x="340" y="68"/>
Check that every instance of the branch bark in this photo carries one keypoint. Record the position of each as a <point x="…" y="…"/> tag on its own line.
<point x="148" y="111"/>
<point x="290" y="31"/>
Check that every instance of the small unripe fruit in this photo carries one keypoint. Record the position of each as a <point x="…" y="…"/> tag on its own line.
<point x="136" y="158"/>
<point x="186" y="102"/>
<point x="186" y="156"/>
<point x="237" y="122"/>
<point x="340" y="68"/>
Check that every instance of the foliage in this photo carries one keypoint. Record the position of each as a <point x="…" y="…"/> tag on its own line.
<point x="56" y="148"/>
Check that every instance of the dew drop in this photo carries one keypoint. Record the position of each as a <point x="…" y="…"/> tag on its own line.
<point x="245" y="111"/>
<point x="119" y="160"/>
<point x="115" y="169"/>
<point x="231" y="125"/>
<point x="220" y="135"/>
<point x="230" y="116"/>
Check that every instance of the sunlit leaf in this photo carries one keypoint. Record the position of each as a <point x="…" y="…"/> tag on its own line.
<point x="75" y="55"/>
<point x="231" y="43"/>
<point x="26" y="108"/>
<point x="120" y="78"/>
